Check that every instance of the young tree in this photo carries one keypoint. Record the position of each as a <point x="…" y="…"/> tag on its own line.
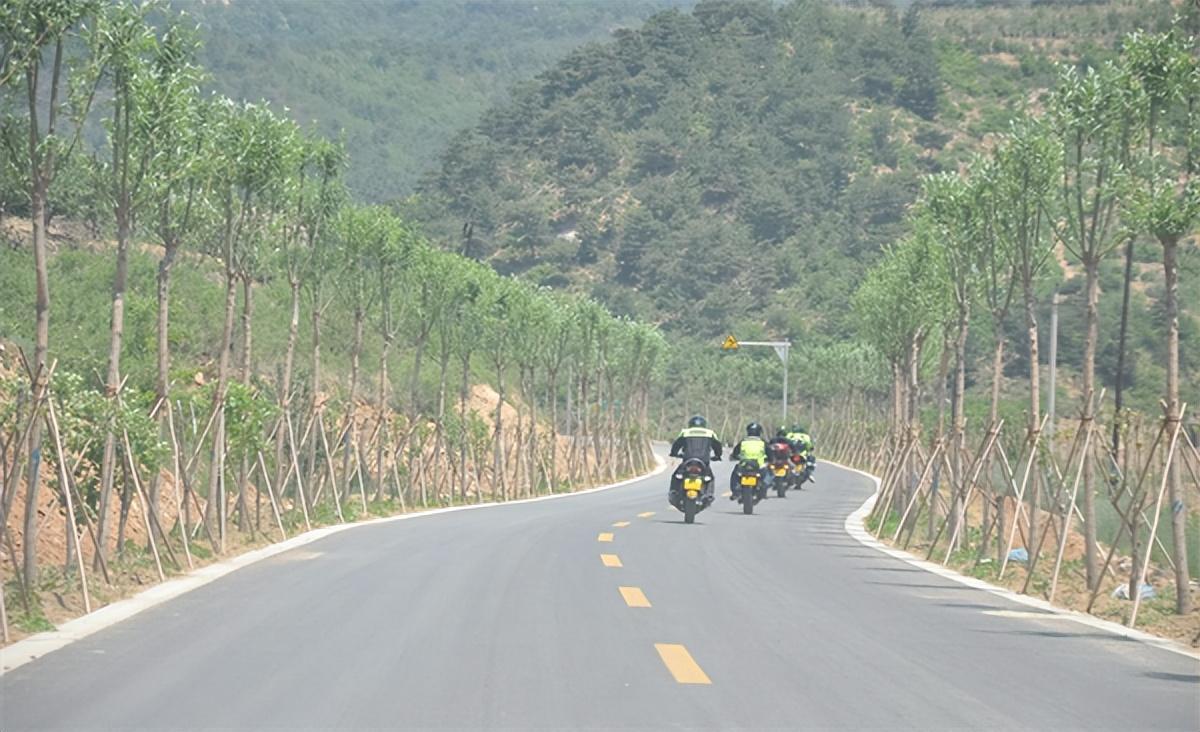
<point x="390" y="253"/>
<point x="361" y="234"/>
<point x="1095" y="129"/>
<point x="123" y="44"/>
<point x="1027" y="170"/>
<point x="316" y="193"/>
<point x="32" y="28"/>
<point x="249" y="167"/>
<point x="951" y="206"/>
<point x="1166" y="204"/>
<point x="174" y="142"/>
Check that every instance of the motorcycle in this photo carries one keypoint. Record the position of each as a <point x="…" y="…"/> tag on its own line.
<point x="780" y="469"/>
<point x="801" y="470"/>
<point x="750" y="485"/>
<point x="693" y="494"/>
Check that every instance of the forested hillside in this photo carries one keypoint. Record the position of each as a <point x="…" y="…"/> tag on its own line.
<point x="709" y="169"/>
<point x="739" y="167"/>
<point x="396" y="78"/>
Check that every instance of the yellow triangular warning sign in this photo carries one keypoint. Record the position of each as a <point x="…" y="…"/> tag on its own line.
<point x="730" y="343"/>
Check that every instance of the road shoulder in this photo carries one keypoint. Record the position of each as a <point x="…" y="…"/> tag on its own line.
<point x="856" y="528"/>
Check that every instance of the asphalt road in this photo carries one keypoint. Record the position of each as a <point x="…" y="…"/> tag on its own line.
<point x="509" y="617"/>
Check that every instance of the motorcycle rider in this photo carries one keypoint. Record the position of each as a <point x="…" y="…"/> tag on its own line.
<point x="803" y="444"/>
<point x="782" y="443"/>
<point x="753" y="448"/>
<point x="696" y="441"/>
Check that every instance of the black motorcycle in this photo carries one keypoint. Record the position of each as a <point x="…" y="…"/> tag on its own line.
<point x="749" y="485"/>
<point x="691" y="488"/>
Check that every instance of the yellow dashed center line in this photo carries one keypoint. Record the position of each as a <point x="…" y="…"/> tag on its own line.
<point x="604" y="536"/>
<point x="611" y="560"/>
<point x="681" y="664"/>
<point x="647" y="514"/>
<point x="726" y="494"/>
<point x="621" y="524"/>
<point x="634" y="597"/>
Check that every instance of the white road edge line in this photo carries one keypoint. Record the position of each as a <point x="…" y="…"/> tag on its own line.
<point x="35" y="646"/>
<point x="856" y="528"/>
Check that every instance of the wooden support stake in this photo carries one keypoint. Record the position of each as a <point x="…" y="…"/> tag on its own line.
<point x="1141" y="576"/>
<point x="137" y="485"/>
<point x="917" y="490"/>
<point x="271" y="494"/>
<point x="1066" y="530"/>
<point x="183" y="534"/>
<point x="65" y="485"/>
<point x="299" y="479"/>
<point x="1012" y="533"/>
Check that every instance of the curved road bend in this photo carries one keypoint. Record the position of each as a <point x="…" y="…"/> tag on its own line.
<point x="511" y="617"/>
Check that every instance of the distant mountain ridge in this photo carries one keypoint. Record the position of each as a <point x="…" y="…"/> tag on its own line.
<point x="398" y="78"/>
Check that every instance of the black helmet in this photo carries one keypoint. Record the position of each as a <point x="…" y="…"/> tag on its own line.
<point x="754" y="429"/>
<point x="781" y="432"/>
<point x="697" y="421"/>
<point x="797" y="428"/>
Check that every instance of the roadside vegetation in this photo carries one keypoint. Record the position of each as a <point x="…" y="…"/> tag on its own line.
<point x="225" y="347"/>
<point x="227" y="344"/>
<point x="1110" y="160"/>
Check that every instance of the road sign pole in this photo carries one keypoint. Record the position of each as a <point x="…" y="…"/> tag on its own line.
<point x="783" y="424"/>
<point x="782" y="349"/>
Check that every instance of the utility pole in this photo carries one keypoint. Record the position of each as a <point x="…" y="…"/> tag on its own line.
<point x="782" y="348"/>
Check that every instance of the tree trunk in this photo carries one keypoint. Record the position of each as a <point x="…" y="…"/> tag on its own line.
<point x="285" y="391"/>
<point x="247" y="355"/>
<point x="958" y="439"/>
<point x="1183" y="593"/>
<point x="162" y="385"/>
<point x="1035" y="412"/>
<point x="443" y="387"/>
<point x="41" y="171"/>
<point x="935" y="478"/>
<point x="316" y="386"/>
<point x="112" y="381"/>
<point x="350" y="435"/>
<point x="498" y="458"/>
<point x="464" y="432"/>
<point x="1119" y="387"/>
<point x="39" y="384"/>
<point x="552" y="390"/>
<point x="380" y="472"/>
<point x="216" y="479"/>
<point x="1091" y="558"/>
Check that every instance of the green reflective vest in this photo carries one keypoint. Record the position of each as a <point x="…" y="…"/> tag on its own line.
<point x="801" y="440"/>
<point x="754" y="448"/>
<point x="698" y="432"/>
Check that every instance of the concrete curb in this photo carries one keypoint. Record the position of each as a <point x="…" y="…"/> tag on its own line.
<point x="856" y="528"/>
<point x="36" y="646"/>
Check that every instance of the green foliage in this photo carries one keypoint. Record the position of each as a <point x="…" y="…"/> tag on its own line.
<point x="394" y="80"/>
<point x="692" y="170"/>
<point x="248" y="415"/>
